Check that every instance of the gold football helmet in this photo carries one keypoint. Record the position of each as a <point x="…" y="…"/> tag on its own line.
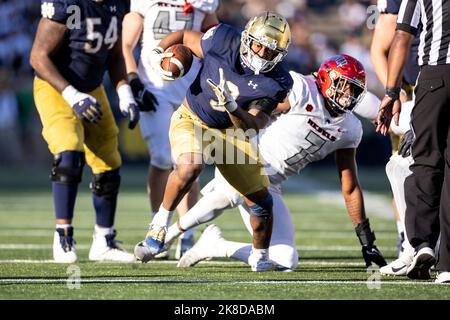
<point x="270" y="30"/>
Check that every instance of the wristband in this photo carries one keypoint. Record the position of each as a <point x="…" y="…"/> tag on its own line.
<point x="393" y="93"/>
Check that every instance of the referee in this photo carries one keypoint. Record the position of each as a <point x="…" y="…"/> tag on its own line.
<point x="427" y="189"/>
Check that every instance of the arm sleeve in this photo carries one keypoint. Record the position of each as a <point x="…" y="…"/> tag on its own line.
<point x="56" y="10"/>
<point x="368" y="107"/>
<point x="409" y="16"/>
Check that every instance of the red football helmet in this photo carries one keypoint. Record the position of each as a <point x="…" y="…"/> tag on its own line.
<point x="335" y="76"/>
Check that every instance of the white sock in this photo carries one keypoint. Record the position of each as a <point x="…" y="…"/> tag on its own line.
<point x="261" y="253"/>
<point x="103" y="231"/>
<point x="173" y="232"/>
<point x="162" y="217"/>
<point x="63" y="226"/>
<point x="400" y="227"/>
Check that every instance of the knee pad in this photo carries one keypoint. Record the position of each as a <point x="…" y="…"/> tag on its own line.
<point x="67" y="167"/>
<point x="106" y="184"/>
<point x="263" y="209"/>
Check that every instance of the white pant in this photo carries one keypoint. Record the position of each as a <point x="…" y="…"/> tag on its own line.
<point x="397" y="170"/>
<point x="282" y="248"/>
<point x="155" y="124"/>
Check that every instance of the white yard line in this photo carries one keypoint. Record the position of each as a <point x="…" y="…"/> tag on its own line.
<point x="267" y="282"/>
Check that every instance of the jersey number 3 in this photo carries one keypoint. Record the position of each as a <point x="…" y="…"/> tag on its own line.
<point x="109" y="39"/>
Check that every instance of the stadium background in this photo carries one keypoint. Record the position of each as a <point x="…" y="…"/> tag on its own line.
<point x="320" y="28"/>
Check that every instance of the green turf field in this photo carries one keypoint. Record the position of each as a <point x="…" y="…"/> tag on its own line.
<point x="331" y="266"/>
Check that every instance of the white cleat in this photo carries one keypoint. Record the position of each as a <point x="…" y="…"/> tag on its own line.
<point x="204" y="248"/>
<point x="260" y="263"/>
<point x="422" y="262"/>
<point x="64" y="246"/>
<point x="443" y="277"/>
<point x="105" y="248"/>
<point x="399" y="266"/>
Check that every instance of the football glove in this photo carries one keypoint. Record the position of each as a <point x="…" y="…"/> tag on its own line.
<point x="145" y="99"/>
<point x="155" y="57"/>
<point x="371" y="255"/>
<point x="128" y="105"/>
<point x="370" y="252"/>
<point x="405" y="144"/>
<point x="85" y="106"/>
<point x="222" y="92"/>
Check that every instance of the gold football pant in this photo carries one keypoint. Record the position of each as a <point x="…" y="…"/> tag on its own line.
<point x="234" y="156"/>
<point x="64" y="131"/>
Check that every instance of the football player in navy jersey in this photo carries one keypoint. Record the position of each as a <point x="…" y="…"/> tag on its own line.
<point x="76" y="42"/>
<point x="239" y="84"/>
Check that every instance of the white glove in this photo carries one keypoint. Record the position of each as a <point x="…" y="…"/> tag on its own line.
<point x="223" y="93"/>
<point x="85" y="106"/>
<point x="156" y="56"/>
<point x="128" y="105"/>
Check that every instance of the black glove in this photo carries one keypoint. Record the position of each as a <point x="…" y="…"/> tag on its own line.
<point x="405" y="144"/>
<point x="370" y="252"/>
<point x="145" y="99"/>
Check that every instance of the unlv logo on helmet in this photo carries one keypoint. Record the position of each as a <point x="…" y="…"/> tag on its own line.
<point x="342" y="81"/>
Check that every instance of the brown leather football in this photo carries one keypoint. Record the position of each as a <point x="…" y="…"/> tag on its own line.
<point x="180" y="63"/>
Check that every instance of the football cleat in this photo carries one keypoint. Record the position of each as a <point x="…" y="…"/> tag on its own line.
<point x="184" y="244"/>
<point x="204" y="248"/>
<point x="443" y="277"/>
<point x="422" y="262"/>
<point x="64" y="246"/>
<point x="106" y="248"/>
<point x="152" y="245"/>
<point x="399" y="266"/>
<point x="261" y="264"/>
<point x="371" y="254"/>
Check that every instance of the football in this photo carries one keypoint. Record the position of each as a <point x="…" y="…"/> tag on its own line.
<point x="180" y="63"/>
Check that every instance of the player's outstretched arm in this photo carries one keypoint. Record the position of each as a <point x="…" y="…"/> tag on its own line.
<point x="49" y="37"/>
<point x="351" y="190"/>
<point x="353" y="197"/>
<point x="131" y="32"/>
<point x="390" y="105"/>
<point x="381" y="42"/>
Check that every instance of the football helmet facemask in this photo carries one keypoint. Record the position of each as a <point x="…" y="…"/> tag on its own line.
<point x="270" y="30"/>
<point x="338" y="75"/>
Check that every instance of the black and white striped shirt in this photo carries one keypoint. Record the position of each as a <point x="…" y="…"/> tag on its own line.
<point x="434" y="48"/>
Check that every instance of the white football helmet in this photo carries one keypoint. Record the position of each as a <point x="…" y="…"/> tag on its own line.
<point x="270" y="30"/>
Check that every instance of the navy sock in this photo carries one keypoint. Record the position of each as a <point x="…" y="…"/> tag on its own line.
<point x="64" y="197"/>
<point x="105" y="210"/>
<point x="65" y="193"/>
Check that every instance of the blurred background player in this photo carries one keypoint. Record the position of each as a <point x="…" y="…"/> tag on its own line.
<point x="316" y="121"/>
<point x="76" y="42"/>
<point x="158" y="98"/>
<point x="381" y="43"/>
<point x="239" y="85"/>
